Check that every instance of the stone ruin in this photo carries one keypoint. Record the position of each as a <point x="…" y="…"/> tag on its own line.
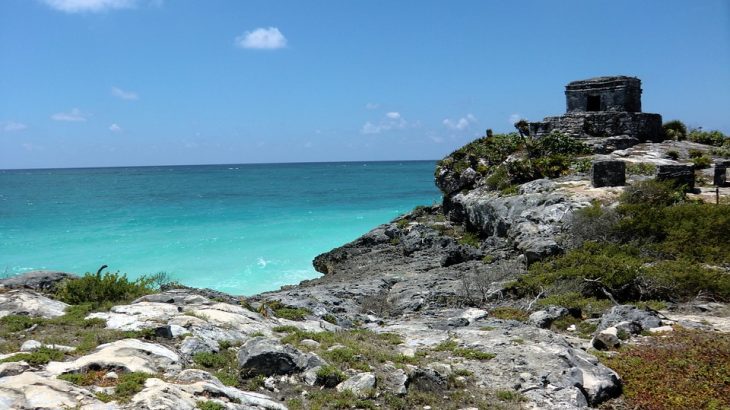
<point x="606" y="112"/>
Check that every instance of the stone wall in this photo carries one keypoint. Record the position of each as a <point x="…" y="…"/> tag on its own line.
<point x="643" y="126"/>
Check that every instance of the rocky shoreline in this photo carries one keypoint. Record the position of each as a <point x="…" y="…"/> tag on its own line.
<point x="418" y="313"/>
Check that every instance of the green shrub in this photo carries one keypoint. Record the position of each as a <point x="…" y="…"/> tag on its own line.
<point x="715" y="138"/>
<point x="589" y="306"/>
<point x="673" y="154"/>
<point x="16" y="323"/>
<point x="209" y="405"/>
<point x="329" y="376"/>
<point x="284" y="311"/>
<point x="130" y="384"/>
<point x="97" y="289"/>
<point x="211" y="360"/>
<point x="37" y="357"/>
<point x="470" y="239"/>
<point x="509" y="313"/>
<point x="640" y="168"/>
<point x="675" y="130"/>
<point x="702" y="162"/>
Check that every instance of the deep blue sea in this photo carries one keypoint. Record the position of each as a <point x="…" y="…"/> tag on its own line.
<point x="241" y="229"/>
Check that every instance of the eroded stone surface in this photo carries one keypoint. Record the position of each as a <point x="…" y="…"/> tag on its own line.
<point x="30" y="303"/>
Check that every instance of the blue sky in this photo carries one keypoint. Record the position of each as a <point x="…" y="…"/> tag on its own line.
<point x="147" y="82"/>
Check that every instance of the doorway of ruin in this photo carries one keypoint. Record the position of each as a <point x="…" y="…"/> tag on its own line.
<point x="593" y="103"/>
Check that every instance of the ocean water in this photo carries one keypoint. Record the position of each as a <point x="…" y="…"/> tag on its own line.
<point x="241" y="229"/>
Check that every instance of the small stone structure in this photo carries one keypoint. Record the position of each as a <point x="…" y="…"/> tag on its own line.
<point x="602" y="108"/>
<point x="720" y="177"/>
<point x="681" y="174"/>
<point x="608" y="173"/>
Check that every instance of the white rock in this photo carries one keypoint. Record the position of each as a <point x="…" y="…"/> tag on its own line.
<point x="13" y="368"/>
<point x="34" y="391"/>
<point x="358" y="384"/>
<point x="312" y="344"/>
<point x="130" y="354"/>
<point x="661" y="329"/>
<point x="30" y="345"/>
<point x="24" y="302"/>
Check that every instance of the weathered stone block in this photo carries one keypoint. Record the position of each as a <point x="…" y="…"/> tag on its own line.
<point x="608" y="173"/>
<point x="681" y="174"/>
<point x="720" y="177"/>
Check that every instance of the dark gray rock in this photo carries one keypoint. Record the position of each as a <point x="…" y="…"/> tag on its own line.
<point x="263" y="356"/>
<point x="642" y="319"/>
<point x="544" y="318"/>
<point x="39" y="280"/>
<point x="608" y="173"/>
<point x="426" y="380"/>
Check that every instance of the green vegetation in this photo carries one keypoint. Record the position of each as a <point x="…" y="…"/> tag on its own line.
<point x="450" y="345"/>
<point x="684" y="369"/>
<point x="222" y="364"/>
<point x="283" y="311"/>
<point x="673" y="154"/>
<point x="358" y="349"/>
<point x="329" y="376"/>
<point x="37" y="357"/>
<point x="550" y="156"/>
<point x="715" y="138"/>
<point x="510" y="396"/>
<point x="71" y="329"/>
<point x="703" y="161"/>
<point x="656" y="245"/>
<point x="128" y="385"/>
<point x="470" y="239"/>
<point x="675" y="130"/>
<point x="209" y="405"/>
<point x="640" y="168"/>
<point x="103" y="290"/>
<point x="509" y="313"/>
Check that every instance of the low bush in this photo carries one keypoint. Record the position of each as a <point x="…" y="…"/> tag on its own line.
<point x="37" y="357"/>
<point x="640" y="168"/>
<point x="702" y="162"/>
<point x="509" y="313"/>
<point x="715" y="138"/>
<point x="675" y="130"/>
<point x="684" y="369"/>
<point x="673" y="154"/>
<point x="99" y="290"/>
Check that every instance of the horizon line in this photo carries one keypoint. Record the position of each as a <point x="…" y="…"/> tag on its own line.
<point x="221" y="164"/>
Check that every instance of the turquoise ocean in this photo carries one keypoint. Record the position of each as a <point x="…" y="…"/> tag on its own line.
<point x="241" y="229"/>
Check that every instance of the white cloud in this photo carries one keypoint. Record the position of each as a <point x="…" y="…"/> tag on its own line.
<point x="90" y="6"/>
<point x="12" y="126"/>
<point x="514" y="118"/>
<point x="460" y="124"/>
<point x="124" y="95"/>
<point x="391" y="121"/>
<point x="115" y="128"/>
<point x="372" y="106"/>
<point x="262" y="39"/>
<point x="73" y="115"/>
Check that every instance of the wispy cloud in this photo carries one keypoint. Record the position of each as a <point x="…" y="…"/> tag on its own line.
<point x="461" y="123"/>
<point x="12" y="126"/>
<point x="74" y="115"/>
<point x="372" y="106"/>
<point x="391" y="121"/>
<point x="115" y="128"/>
<point x="90" y="6"/>
<point x="262" y="39"/>
<point x="124" y="95"/>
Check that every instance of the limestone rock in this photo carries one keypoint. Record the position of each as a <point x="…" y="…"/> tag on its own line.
<point x="358" y="384"/>
<point x="193" y="345"/>
<point x="26" y="302"/>
<point x="643" y="319"/>
<point x="13" y="368"/>
<point x="606" y="339"/>
<point x="39" y="280"/>
<point x="263" y="356"/>
<point x="544" y="318"/>
<point x="130" y="354"/>
<point x="31" y="390"/>
<point x="161" y="395"/>
<point x="393" y="380"/>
